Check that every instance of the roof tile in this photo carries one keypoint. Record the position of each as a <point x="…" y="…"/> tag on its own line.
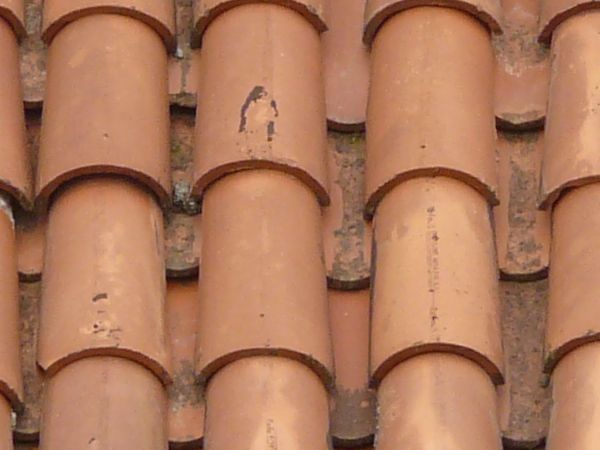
<point x="353" y="415"/>
<point x="555" y="12"/>
<point x="15" y="175"/>
<point x="205" y="11"/>
<point x="116" y="305"/>
<point x="345" y="66"/>
<point x="104" y="402"/>
<point x="435" y="286"/>
<point x="31" y="239"/>
<point x="431" y="102"/>
<point x="186" y="401"/>
<point x="159" y="15"/>
<point x="12" y="11"/>
<point x="11" y="383"/>
<point x="5" y="424"/>
<point x="262" y="242"/>
<point x="262" y="106"/>
<point x="522" y="231"/>
<point x="377" y="12"/>
<point x="122" y="119"/>
<point x="437" y="401"/>
<point x="266" y="402"/>
<point x="572" y="318"/>
<point x="572" y="149"/>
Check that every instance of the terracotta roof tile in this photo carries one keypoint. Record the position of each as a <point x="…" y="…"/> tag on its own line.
<point x="555" y="12"/>
<point x="31" y="239"/>
<point x="261" y="242"/>
<point x="346" y="234"/>
<point x="15" y="176"/>
<point x="12" y="11"/>
<point x="572" y="321"/>
<point x="571" y="150"/>
<point x="159" y="15"/>
<point x="435" y="284"/>
<point x="266" y="402"/>
<point x="116" y="307"/>
<point x="182" y="249"/>
<point x="186" y="402"/>
<point x="104" y="402"/>
<point x="575" y="399"/>
<point x="263" y="106"/>
<point x="522" y="68"/>
<point x="345" y="66"/>
<point x="127" y="137"/>
<point x="11" y="383"/>
<point x="353" y="415"/>
<point x="27" y="427"/>
<point x="431" y="102"/>
<point x="377" y="12"/>
<point x="437" y="401"/>
<point x="522" y="231"/>
<point x="5" y="424"/>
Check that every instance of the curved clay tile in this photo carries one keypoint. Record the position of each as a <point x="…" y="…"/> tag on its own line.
<point x="573" y="301"/>
<point x="104" y="403"/>
<point x="6" y="439"/>
<point x="555" y="12"/>
<point x="107" y="77"/>
<point x="157" y="14"/>
<point x="205" y="11"/>
<point x="575" y="418"/>
<point x="263" y="103"/>
<point x="345" y="66"/>
<point x="377" y="12"/>
<point x="15" y="173"/>
<point x="11" y="383"/>
<point x="437" y="401"/>
<point x="353" y="414"/>
<point x="13" y="12"/>
<point x="186" y="401"/>
<point x="267" y="402"/>
<point x="435" y="287"/>
<point x="263" y="289"/>
<point x="104" y="277"/>
<point x="431" y="104"/>
<point x="572" y="141"/>
<point x="30" y="240"/>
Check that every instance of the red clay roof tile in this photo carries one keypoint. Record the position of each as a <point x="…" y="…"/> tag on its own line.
<point x="431" y="102"/>
<point x="346" y="234"/>
<point x="120" y="105"/>
<point x="572" y="317"/>
<point x="15" y="175"/>
<point x="5" y="424"/>
<point x="11" y="383"/>
<point x="105" y="236"/>
<point x="30" y="239"/>
<point x="435" y="285"/>
<point x="263" y="105"/>
<point x="262" y="243"/>
<point x="575" y="397"/>
<point x="522" y="231"/>
<point x="266" y="402"/>
<point x="205" y="11"/>
<point x="186" y="401"/>
<point x="104" y="403"/>
<point x="345" y="66"/>
<point x="377" y="12"/>
<point x="437" y="401"/>
<point x="555" y="12"/>
<point x="158" y="15"/>
<point x="571" y="154"/>
<point x="353" y="415"/>
<point x="13" y="12"/>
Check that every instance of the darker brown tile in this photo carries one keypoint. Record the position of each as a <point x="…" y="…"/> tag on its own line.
<point x="524" y="399"/>
<point x="353" y="418"/>
<point x="186" y="401"/>
<point x="28" y="420"/>
<point x="346" y="234"/>
<point x="522" y="231"/>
